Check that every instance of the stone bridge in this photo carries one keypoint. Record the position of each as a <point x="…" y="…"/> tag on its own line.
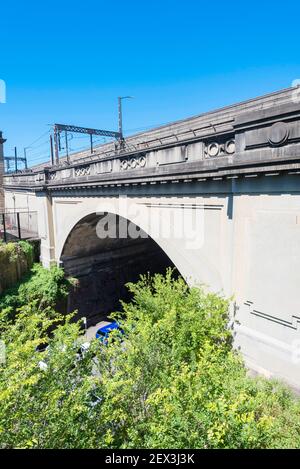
<point x="216" y="196"/>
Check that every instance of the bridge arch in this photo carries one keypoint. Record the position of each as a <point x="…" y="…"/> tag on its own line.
<point x="79" y="248"/>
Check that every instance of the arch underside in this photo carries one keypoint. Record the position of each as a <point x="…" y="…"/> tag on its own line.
<point x="104" y="265"/>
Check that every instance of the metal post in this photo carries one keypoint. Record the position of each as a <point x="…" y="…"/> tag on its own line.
<point x="16" y="160"/>
<point x="25" y="158"/>
<point x="91" y="142"/>
<point x="4" y="227"/>
<point x="51" y="151"/>
<point x="67" y="148"/>
<point x="19" y="226"/>
<point x="120" y="118"/>
<point x="56" y="145"/>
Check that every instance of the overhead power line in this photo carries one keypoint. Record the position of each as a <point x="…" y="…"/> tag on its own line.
<point x="41" y="136"/>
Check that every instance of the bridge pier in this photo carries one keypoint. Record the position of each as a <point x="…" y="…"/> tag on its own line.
<point x="48" y="257"/>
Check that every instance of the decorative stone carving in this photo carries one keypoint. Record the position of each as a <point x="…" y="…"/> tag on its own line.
<point x="132" y="163"/>
<point x="142" y="161"/>
<point x="82" y="171"/>
<point x="124" y="164"/>
<point x="52" y="176"/>
<point x="230" y="147"/>
<point x="278" y="133"/>
<point x="214" y="149"/>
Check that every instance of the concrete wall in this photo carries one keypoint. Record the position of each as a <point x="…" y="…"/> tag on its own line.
<point x="249" y="248"/>
<point x="24" y="201"/>
<point x="266" y="278"/>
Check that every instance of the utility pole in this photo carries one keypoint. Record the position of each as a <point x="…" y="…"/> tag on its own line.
<point x="16" y="160"/>
<point x="25" y="158"/>
<point x="56" y="144"/>
<point x="51" y="151"/>
<point x="121" y="138"/>
<point x="91" y="143"/>
<point x="120" y="118"/>
<point x="67" y="148"/>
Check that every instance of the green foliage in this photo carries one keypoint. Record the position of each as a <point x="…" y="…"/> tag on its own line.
<point x="172" y="380"/>
<point x="179" y="384"/>
<point x="11" y="251"/>
<point x="8" y="252"/>
<point x="28" y="250"/>
<point x="15" y="260"/>
<point x="44" y="408"/>
<point x="45" y="286"/>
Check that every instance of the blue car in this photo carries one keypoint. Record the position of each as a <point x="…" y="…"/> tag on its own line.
<point x="104" y="331"/>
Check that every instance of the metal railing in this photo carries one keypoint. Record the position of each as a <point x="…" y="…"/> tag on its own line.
<point x="18" y="225"/>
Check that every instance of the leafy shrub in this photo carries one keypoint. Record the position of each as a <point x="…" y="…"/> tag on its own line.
<point x="11" y="251"/>
<point x="45" y="286"/>
<point x="15" y="260"/>
<point x="43" y="408"/>
<point x="179" y="384"/>
<point x="28" y="250"/>
<point x="173" y="381"/>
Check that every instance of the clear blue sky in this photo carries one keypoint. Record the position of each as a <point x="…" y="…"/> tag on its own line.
<point x="68" y="61"/>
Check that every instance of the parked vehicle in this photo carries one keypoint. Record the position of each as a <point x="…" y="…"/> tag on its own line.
<point x="103" y="332"/>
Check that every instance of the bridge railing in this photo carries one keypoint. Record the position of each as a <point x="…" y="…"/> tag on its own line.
<point x="18" y="225"/>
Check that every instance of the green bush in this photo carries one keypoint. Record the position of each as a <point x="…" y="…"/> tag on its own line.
<point x="44" y="286"/>
<point x="11" y="251"/>
<point x="173" y="381"/>
<point x="15" y="260"/>
<point x="179" y="384"/>
<point x="28" y="250"/>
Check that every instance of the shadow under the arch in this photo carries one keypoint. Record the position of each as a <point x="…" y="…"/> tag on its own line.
<point x="104" y="266"/>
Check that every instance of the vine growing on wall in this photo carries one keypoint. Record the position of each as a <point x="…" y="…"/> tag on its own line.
<point x="43" y="286"/>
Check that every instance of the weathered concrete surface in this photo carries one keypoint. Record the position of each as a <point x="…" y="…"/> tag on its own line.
<point x="238" y="171"/>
